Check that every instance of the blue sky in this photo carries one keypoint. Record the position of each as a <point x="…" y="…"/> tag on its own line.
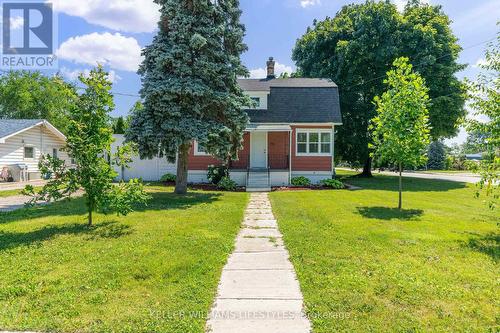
<point x="114" y="31"/>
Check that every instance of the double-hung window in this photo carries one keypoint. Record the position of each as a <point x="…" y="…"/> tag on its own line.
<point x="256" y="102"/>
<point x="314" y="143"/>
<point x="199" y="149"/>
<point x="29" y="153"/>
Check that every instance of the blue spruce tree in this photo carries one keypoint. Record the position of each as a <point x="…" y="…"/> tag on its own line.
<point x="189" y="84"/>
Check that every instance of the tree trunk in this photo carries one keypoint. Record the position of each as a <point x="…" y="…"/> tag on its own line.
<point x="90" y="206"/>
<point x="367" y="168"/>
<point x="400" y="206"/>
<point x="182" y="169"/>
<point x="90" y="218"/>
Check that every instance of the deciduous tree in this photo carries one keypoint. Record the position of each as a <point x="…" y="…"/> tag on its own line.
<point x="31" y="95"/>
<point x="356" y="48"/>
<point x="401" y="127"/>
<point x="484" y="96"/>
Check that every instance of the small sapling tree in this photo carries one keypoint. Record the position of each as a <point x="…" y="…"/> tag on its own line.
<point x="401" y="127"/>
<point x="88" y="144"/>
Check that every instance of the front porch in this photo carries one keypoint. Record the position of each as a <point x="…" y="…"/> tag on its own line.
<point x="272" y="155"/>
<point x="265" y="160"/>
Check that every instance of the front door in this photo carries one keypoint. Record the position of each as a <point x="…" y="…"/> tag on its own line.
<point x="258" y="150"/>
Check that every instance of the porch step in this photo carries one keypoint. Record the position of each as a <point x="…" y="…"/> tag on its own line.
<point x="258" y="181"/>
<point x="260" y="189"/>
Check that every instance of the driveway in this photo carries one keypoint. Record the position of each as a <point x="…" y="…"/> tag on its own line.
<point x="11" y="203"/>
<point x="21" y="185"/>
<point x="453" y="177"/>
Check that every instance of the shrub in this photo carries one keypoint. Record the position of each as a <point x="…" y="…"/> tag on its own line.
<point x="168" y="178"/>
<point x="448" y="162"/>
<point x="333" y="183"/>
<point x="227" y="184"/>
<point x="216" y="173"/>
<point x="301" y="181"/>
<point x="458" y="163"/>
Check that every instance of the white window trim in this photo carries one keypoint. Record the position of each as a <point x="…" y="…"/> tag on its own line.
<point x="198" y="153"/>
<point x="24" y="153"/>
<point x="259" y="105"/>
<point x="308" y="131"/>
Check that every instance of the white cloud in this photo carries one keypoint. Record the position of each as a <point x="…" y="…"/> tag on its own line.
<point x="402" y="3"/>
<point x="480" y="62"/>
<point x="16" y="22"/>
<point x="73" y="75"/>
<point x="115" y="50"/>
<point x="120" y="15"/>
<point x="308" y="3"/>
<point x="260" y="73"/>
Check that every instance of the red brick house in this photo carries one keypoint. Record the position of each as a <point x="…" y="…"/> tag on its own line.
<point x="291" y="133"/>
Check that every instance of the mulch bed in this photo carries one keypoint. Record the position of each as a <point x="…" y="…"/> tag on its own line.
<point x="312" y="188"/>
<point x="211" y="188"/>
<point x="299" y="188"/>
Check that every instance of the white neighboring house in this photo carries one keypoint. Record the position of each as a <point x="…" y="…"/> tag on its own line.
<point x="147" y="170"/>
<point x="23" y="142"/>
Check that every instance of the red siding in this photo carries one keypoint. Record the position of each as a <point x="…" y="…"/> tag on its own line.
<point x="244" y="154"/>
<point x="278" y="150"/>
<point x="309" y="163"/>
<point x="202" y="162"/>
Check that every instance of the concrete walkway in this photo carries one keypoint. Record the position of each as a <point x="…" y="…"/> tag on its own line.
<point x="258" y="291"/>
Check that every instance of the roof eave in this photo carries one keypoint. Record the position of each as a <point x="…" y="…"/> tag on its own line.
<point x="54" y="130"/>
<point x="45" y="123"/>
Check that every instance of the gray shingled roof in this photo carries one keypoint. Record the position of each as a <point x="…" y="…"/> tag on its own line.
<point x="267" y="84"/>
<point x="300" y="105"/>
<point x="11" y="126"/>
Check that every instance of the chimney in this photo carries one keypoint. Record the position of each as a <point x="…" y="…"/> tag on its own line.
<point x="270" y="69"/>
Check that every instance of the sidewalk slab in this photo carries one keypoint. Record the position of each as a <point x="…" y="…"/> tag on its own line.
<point x="252" y="216"/>
<point x="269" y="233"/>
<point x="259" y="260"/>
<point x="258" y="245"/>
<point x="259" y="284"/>
<point x="261" y="223"/>
<point x="260" y="316"/>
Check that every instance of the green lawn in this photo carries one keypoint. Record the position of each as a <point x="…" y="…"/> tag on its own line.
<point x="9" y="193"/>
<point x="153" y="271"/>
<point x="365" y="267"/>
